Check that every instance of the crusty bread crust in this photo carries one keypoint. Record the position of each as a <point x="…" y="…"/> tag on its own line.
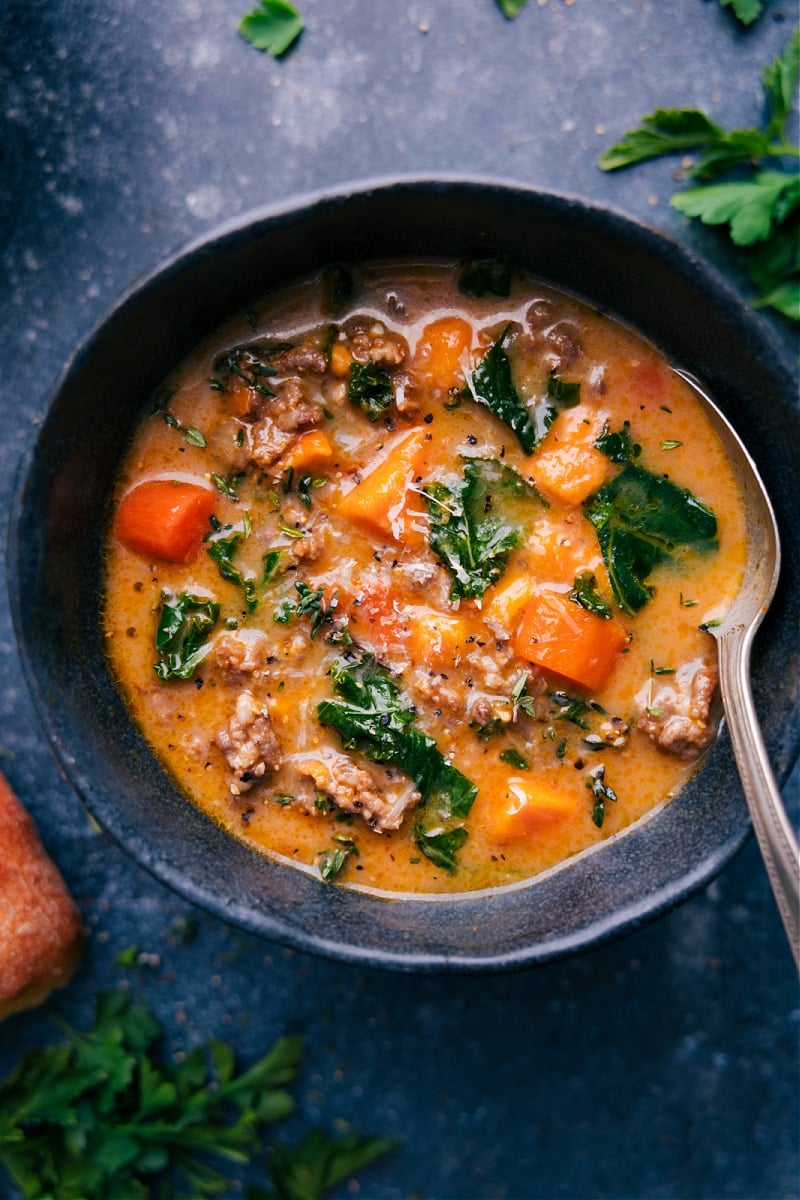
<point x="40" y="928"/>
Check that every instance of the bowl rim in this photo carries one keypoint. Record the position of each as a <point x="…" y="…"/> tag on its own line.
<point x="298" y="208"/>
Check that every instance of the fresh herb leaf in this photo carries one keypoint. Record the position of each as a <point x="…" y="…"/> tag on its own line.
<point x="184" y="626"/>
<point x="273" y="26"/>
<point x="641" y="519"/>
<point x="664" y="131"/>
<point x="313" y="603"/>
<point x="619" y="447"/>
<point x="511" y="8"/>
<point x="482" y="275"/>
<point x="369" y="388"/>
<point x="601" y="792"/>
<point x="751" y="208"/>
<point x="572" y="708"/>
<point x="228" y="485"/>
<point x="520" y="699"/>
<point x="474" y="528"/>
<point x="248" y="364"/>
<point x="332" y="862"/>
<point x="441" y="847"/>
<point x="514" y="758"/>
<point x="759" y="206"/>
<point x="585" y="593"/>
<point x="492" y="384"/>
<point x="271" y="564"/>
<point x="192" y="436"/>
<point x="371" y="715"/>
<point x="745" y="11"/>
<point x="104" y="1114"/>
<point x="318" y="1163"/>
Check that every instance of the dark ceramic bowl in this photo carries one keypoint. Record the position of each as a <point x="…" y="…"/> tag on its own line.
<point x="61" y="510"/>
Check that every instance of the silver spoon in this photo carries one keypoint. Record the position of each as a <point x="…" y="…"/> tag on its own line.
<point x="734" y="636"/>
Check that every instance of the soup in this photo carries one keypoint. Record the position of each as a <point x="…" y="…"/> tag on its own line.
<point x="410" y="574"/>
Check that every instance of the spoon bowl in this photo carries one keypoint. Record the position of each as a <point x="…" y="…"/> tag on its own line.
<point x="734" y="636"/>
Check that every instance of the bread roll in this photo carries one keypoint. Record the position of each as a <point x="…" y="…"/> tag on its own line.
<point x="40" y="927"/>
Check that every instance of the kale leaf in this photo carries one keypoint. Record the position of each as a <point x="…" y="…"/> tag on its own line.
<point x="222" y="551"/>
<point x="441" y="847"/>
<point x="641" y="519"/>
<point x="184" y="627"/>
<point x="585" y="593"/>
<point x="370" y="389"/>
<point x="619" y="447"/>
<point x="492" y="384"/>
<point x="372" y="716"/>
<point x="474" y="528"/>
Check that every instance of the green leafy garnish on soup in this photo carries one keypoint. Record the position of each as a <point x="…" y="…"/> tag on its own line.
<point x="641" y="521"/>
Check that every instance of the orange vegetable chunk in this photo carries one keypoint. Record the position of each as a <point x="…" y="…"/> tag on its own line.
<point x="521" y="807"/>
<point x="165" y="518"/>
<point x="567" y="466"/>
<point x="559" y="635"/>
<point x="312" y="449"/>
<point x="379" y="503"/>
<point x="441" y="352"/>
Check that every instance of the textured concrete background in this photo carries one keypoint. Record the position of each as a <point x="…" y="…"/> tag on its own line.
<point x="664" y="1065"/>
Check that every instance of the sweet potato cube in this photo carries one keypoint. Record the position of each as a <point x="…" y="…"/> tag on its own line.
<point x="559" y="635"/>
<point x="381" y="503"/>
<point x="521" y="807"/>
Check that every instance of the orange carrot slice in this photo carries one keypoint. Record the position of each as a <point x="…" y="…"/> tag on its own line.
<point x="165" y="518"/>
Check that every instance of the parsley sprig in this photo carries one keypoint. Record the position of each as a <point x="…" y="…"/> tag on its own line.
<point x="273" y="26"/>
<point x="104" y="1115"/>
<point x="760" y="204"/>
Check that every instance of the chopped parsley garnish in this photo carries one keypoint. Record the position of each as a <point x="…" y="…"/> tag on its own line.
<point x="185" y="624"/>
<point x="110" y="1113"/>
<point x="471" y="527"/>
<point x="372" y="716"/>
<point x="273" y="26"/>
<point x="585" y="593"/>
<point x="641" y="519"/>
<point x="369" y="388"/>
<point x="758" y="203"/>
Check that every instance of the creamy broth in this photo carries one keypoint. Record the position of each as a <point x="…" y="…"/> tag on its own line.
<point x="388" y="504"/>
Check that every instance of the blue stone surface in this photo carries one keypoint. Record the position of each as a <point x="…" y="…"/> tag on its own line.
<point x="664" y="1064"/>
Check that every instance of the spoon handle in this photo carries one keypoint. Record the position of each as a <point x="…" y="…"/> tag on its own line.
<point x="770" y="823"/>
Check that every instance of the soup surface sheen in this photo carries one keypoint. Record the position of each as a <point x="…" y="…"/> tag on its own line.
<point x="407" y="574"/>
